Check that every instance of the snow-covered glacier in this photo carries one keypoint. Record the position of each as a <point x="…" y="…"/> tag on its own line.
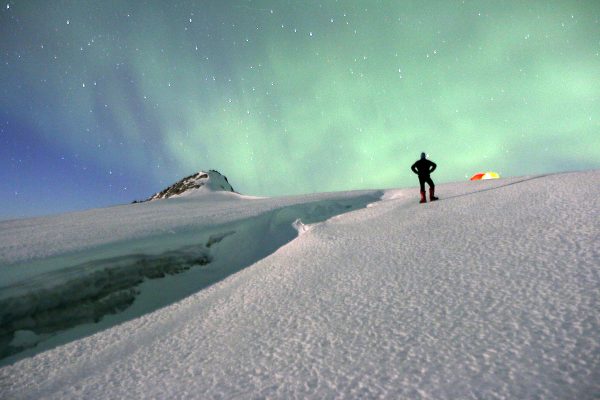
<point x="491" y="292"/>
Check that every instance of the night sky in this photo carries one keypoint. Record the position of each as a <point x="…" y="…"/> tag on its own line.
<point x="104" y="102"/>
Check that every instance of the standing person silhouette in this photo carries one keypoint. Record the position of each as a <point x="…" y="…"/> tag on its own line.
<point x="423" y="168"/>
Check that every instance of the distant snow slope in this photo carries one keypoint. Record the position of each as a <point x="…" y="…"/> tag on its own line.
<point x="491" y="292"/>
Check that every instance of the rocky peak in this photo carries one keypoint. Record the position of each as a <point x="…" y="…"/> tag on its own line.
<point x="211" y="181"/>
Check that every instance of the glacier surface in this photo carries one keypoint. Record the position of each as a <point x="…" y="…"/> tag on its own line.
<point x="491" y="292"/>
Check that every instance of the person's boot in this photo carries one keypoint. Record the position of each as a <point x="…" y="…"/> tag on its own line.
<point x="423" y="199"/>
<point x="431" y="194"/>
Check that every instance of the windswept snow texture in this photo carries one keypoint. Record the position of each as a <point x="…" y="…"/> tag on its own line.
<point x="491" y="292"/>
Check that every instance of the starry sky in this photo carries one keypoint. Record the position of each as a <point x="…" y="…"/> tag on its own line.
<point x="104" y="102"/>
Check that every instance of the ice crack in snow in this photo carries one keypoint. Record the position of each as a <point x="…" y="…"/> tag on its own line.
<point x="35" y="310"/>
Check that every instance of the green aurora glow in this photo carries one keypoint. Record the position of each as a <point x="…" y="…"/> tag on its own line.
<point x="289" y="97"/>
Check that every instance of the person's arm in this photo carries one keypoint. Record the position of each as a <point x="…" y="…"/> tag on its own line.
<point x="433" y="167"/>
<point x="414" y="168"/>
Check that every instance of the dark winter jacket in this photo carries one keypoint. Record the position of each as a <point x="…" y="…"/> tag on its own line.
<point x="423" y="168"/>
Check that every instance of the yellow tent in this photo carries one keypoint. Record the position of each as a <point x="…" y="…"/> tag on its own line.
<point x="485" y="175"/>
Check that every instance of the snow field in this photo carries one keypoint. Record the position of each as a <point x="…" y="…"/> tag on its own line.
<point x="492" y="292"/>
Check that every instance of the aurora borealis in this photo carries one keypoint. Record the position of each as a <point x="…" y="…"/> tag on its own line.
<point x="104" y="102"/>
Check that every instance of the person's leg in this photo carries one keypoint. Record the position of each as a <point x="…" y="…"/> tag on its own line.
<point x="431" y="190"/>
<point x="422" y="184"/>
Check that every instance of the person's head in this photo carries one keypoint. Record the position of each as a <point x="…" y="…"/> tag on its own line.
<point x="423" y="156"/>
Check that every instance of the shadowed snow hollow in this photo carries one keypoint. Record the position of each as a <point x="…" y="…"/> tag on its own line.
<point x="51" y="300"/>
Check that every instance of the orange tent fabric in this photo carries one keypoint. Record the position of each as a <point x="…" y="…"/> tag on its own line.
<point x="485" y="175"/>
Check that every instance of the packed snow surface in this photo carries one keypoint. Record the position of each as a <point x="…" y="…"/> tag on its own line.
<point x="491" y="292"/>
